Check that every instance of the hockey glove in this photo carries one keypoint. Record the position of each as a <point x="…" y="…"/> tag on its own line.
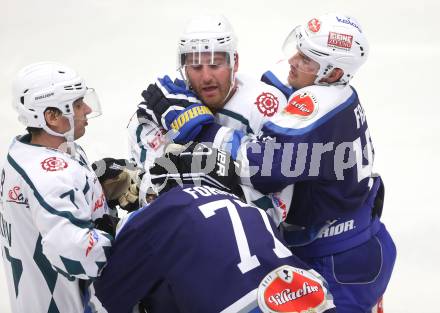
<point x="176" y="109"/>
<point x="196" y="164"/>
<point x="107" y="223"/>
<point x="118" y="180"/>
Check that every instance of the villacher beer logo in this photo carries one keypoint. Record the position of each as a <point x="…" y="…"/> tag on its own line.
<point x="289" y="289"/>
<point x="53" y="164"/>
<point x="303" y="105"/>
<point x="267" y="104"/>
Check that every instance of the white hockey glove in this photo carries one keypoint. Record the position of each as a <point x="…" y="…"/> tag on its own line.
<point x="118" y="178"/>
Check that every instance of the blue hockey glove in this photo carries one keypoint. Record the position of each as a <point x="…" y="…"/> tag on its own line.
<point x="176" y="109"/>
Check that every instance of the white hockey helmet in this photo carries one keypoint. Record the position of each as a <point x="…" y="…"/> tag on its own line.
<point x="43" y="85"/>
<point x="207" y="34"/>
<point x="333" y="41"/>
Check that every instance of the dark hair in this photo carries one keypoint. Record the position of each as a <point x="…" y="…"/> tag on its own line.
<point x="36" y="130"/>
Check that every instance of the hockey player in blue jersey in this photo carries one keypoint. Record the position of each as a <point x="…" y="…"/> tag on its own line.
<point x="199" y="248"/>
<point x="320" y="142"/>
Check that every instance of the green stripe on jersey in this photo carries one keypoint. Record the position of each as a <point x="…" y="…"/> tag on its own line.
<point x="73" y="267"/>
<point x="43" y="203"/>
<point x="237" y="117"/>
<point x="53" y="307"/>
<point x="143" y="155"/>
<point x="17" y="269"/>
<point x="44" y="265"/>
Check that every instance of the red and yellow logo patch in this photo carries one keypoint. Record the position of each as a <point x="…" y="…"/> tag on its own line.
<point x="302" y="105"/>
<point x="291" y="289"/>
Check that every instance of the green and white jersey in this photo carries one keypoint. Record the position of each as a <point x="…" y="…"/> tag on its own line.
<point x="50" y="250"/>
<point x="252" y="104"/>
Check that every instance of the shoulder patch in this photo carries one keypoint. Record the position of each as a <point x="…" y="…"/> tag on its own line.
<point x="303" y="105"/>
<point x="267" y="103"/>
<point x="291" y="289"/>
<point x="53" y="164"/>
<point x="314" y="25"/>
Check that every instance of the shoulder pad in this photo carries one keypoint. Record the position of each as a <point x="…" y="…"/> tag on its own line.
<point x="276" y="76"/>
<point x="310" y="104"/>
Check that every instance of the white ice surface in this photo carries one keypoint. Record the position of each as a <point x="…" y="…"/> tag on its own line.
<point x="120" y="46"/>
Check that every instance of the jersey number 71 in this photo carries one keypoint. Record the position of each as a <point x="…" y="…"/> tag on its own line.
<point x="247" y="261"/>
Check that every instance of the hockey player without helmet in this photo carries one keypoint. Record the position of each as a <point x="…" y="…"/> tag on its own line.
<point x="44" y="85"/>
<point x="207" y="34"/>
<point x="333" y="41"/>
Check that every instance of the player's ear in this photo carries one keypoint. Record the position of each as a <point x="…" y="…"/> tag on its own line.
<point x="52" y="117"/>
<point x="333" y="76"/>
<point x="236" y="62"/>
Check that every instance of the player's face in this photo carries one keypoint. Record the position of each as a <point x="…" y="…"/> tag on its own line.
<point x="210" y="78"/>
<point x="303" y="71"/>
<point x="81" y="110"/>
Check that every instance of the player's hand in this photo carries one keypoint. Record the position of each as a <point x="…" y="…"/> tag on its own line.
<point x="118" y="180"/>
<point x="107" y="223"/>
<point x="176" y="109"/>
<point x="196" y="164"/>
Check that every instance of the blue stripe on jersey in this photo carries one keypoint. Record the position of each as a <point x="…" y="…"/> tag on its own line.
<point x="43" y="203"/>
<point x="270" y="79"/>
<point x="235" y="143"/>
<point x="301" y="131"/>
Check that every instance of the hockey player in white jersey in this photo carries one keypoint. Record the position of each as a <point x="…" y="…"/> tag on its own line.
<point x="50" y="198"/>
<point x="208" y="63"/>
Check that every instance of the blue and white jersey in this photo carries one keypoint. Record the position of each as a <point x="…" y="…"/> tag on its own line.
<point x="320" y="142"/>
<point x="277" y="77"/>
<point x="199" y="249"/>
<point x="252" y="104"/>
<point x="48" y="201"/>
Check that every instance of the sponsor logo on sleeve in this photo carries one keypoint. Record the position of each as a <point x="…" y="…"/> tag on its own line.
<point x="267" y="104"/>
<point x="291" y="289"/>
<point x="53" y="164"/>
<point x="15" y="195"/>
<point x="99" y="203"/>
<point x="303" y="105"/>
<point x="93" y="239"/>
<point x="158" y="140"/>
<point x="314" y="25"/>
<point x="339" y="41"/>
